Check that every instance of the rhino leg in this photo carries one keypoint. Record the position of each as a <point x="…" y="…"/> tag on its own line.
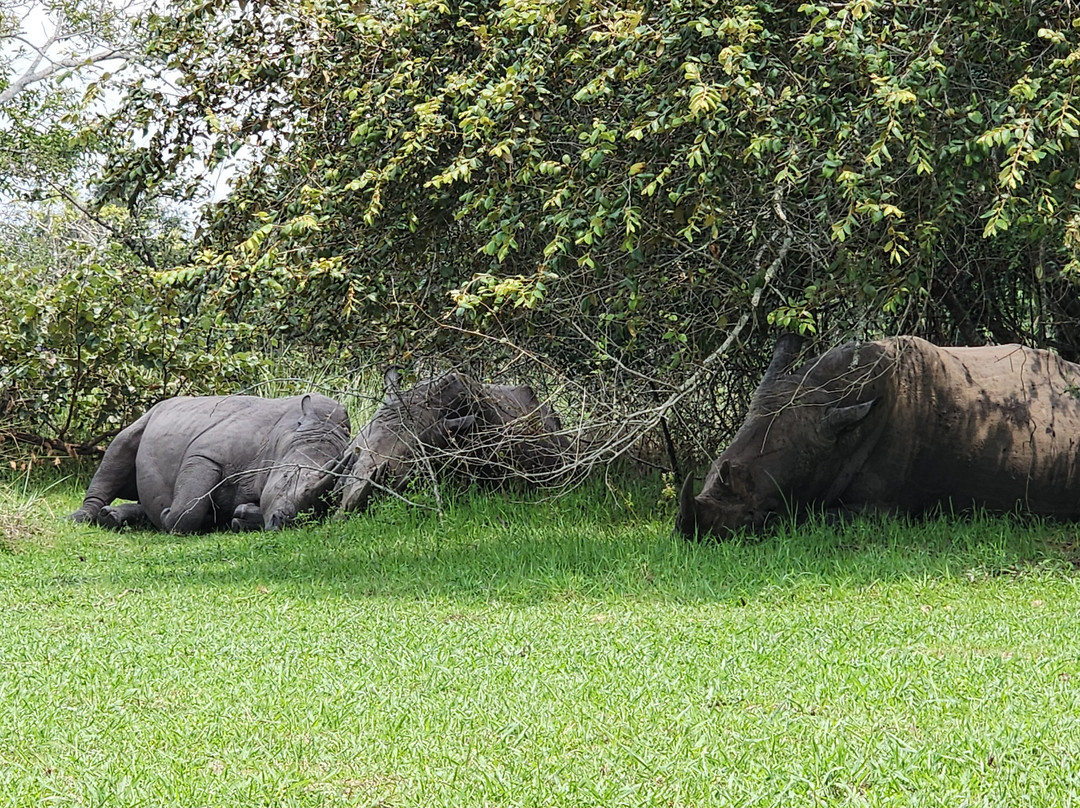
<point x="192" y="503"/>
<point x="247" y="516"/>
<point x="115" y="476"/>
<point x="115" y="517"/>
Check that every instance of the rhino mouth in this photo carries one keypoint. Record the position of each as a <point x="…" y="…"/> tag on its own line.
<point x="358" y="495"/>
<point x="280" y="518"/>
<point x="701" y="516"/>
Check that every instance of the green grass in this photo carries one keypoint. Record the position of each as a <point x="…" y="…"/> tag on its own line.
<point x="547" y="653"/>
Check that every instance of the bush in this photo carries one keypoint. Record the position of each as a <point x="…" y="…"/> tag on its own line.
<point x="91" y="340"/>
<point x="596" y="179"/>
<point x="614" y="191"/>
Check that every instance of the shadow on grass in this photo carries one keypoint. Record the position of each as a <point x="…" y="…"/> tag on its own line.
<point x="589" y="544"/>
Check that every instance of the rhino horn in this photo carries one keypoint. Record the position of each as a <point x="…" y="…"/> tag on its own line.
<point x="787" y="348"/>
<point x="687" y="522"/>
<point x="359" y="493"/>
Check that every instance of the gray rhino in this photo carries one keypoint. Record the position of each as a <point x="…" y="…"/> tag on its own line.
<point x="486" y="433"/>
<point x="898" y="426"/>
<point x="202" y="463"/>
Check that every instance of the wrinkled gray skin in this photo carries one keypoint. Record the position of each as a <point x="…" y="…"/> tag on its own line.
<point x="897" y="426"/>
<point x="515" y="437"/>
<point x="200" y="464"/>
<point x="486" y="432"/>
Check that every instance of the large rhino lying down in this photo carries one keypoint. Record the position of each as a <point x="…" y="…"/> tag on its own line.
<point x="488" y="433"/>
<point x="196" y="464"/>
<point x="898" y="426"/>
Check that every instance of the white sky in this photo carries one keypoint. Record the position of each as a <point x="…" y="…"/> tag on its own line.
<point x="37" y="26"/>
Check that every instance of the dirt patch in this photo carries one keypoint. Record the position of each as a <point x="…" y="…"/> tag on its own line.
<point x="17" y="530"/>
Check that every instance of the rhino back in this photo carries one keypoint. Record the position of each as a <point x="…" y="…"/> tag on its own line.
<point x="995" y="427"/>
<point x="233" y="432"/>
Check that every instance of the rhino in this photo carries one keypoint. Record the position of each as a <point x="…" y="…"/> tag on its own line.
<point x="194" y="464"/>
<point x="486" y="433"/>
<point x="897" y="426"/>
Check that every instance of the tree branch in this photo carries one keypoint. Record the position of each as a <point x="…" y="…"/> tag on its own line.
<point x="138" y="248"/>
<point x="32" y="76"/>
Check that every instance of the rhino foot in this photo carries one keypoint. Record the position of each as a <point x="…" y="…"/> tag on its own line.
<point x="109" y="519"/>
<point x="247" y="516"/>
<point x="115" y="517"/>
<point x="80" y="517"/>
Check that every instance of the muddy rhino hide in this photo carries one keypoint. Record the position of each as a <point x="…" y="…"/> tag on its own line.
<point x="897" y="426"/>
<point x="453" y="425"/>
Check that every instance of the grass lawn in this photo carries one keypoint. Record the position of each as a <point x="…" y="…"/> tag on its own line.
<point x="569" y="652"/>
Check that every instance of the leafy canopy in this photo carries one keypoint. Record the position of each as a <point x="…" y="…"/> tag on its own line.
<point x="619" y="190"/>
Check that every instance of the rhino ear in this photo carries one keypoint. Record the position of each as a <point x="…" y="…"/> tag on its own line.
<point x="734" y="479"/>
<point x="838" y="420"/>
<point x="306" y="410"/>
<point x="784" y="355"/>
<point x="392" y="385"/>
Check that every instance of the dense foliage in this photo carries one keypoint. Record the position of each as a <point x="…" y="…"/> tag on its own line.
<point x="619" y="192"/>
<point x="88" y="344"/>
<point x="591" y="178"/>
<point x="88" y="340"/>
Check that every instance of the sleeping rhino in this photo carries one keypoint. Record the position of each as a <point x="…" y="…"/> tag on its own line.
<point x="486" y="433"/>
<point x="897" y="426"/>
<point x="202" y="463"/>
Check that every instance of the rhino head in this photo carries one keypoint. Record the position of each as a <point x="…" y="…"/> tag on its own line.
<point x="794" y="445"/>
<point x="424" y="419"/>
<point x="307" y="459"/>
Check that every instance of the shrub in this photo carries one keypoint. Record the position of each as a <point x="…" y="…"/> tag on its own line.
<point x="91" y="340"/>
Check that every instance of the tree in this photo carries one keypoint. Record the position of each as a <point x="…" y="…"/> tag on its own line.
<point x="88" y="341"/>
<point x="47" y="50"/>
<point x="625" y="189"/>
<point x="70" y="29"/>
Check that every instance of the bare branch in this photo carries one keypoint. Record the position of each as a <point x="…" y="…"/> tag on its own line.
<point x="55" y="67"/>
<point x="89" y="50"/>
<point x="137" y="247"/>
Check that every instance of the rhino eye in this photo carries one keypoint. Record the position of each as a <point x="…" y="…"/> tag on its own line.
<point x="723" y="474"/>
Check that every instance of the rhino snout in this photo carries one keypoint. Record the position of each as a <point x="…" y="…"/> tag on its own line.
<point x="280" y="518"/>
<point x="357" y="496"/>
<point x="362" y="485"/>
